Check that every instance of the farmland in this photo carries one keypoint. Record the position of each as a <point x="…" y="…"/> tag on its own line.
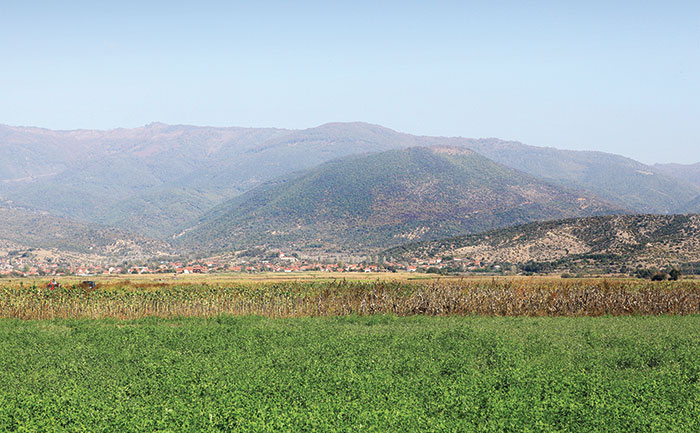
<point x="312" y="353"/>
<point x="378" y="373"/>
<point x="208" y="297"/>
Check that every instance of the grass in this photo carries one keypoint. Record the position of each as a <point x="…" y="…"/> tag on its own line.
<point x="332" y="374"/>
<point x="213" y="354"/>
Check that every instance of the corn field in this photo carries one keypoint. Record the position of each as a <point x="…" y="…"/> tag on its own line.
<point x="295" y="299"/>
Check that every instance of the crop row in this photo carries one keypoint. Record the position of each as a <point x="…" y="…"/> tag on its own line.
<point x="437" y="298"/>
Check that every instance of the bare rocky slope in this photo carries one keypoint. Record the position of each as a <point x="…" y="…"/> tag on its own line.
<point x="632" y="240"/>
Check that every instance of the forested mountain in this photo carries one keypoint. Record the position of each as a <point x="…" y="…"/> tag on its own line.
<point x="159" y="178"/>
<point x="119" y="176"/>
<point x="631" y="240"/>
<point x="388" y="198"/>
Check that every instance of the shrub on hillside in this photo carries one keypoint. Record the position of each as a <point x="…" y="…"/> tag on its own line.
<point x="674" y="274"/>
<point x="659" y="276"/>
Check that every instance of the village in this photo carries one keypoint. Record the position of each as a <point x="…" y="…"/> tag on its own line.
<point x="32" y="266"/>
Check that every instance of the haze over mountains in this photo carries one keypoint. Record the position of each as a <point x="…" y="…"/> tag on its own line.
<point x="159" y="180"/>
<point x="686" y="172"/>
<point x="621" y="180"/>
<point x="692" y="207"/>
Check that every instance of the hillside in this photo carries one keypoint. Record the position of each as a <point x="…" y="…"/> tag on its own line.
<point x="22" y="228"/>
<point x="614" y="178"/>
<point x="685" y="172"/>
<point x="118" y="176"/>
<point x="657" y="240"/>
<point x="693" y="206"/>
<point x="161" y="211"/>
<point x="375" y="200"/>
<point x="159" y="178"/>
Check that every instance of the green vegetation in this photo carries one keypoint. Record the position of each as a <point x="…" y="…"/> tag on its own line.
<point x="387" y="198"/>
<point x="377" y="374"/>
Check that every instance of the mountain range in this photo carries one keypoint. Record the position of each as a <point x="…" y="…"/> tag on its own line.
<point x="160" y="180"/>
<point x="687" y="173"/>
<point x="638" y="187"/>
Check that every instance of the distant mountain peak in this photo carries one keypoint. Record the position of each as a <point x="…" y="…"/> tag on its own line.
<point x="352" y="124"/>
<point x="156" y="125"/>
<point x="451" y="150"/>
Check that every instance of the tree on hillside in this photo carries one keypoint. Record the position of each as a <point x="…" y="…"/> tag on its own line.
<point x="674" y="274"/>
<point x="646" y="273"/>
<point x="659" y="276"/>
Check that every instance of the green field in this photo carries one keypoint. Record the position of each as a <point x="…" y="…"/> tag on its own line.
<point x="376" y="373"/>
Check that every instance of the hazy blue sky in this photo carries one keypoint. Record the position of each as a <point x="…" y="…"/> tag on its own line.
<point x="616" y="76"/>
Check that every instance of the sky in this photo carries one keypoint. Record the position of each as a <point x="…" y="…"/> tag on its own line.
<point x="616" y="76"/>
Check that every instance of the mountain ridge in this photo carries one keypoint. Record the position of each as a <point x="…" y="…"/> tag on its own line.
<point x="157" y="178"/>
<point x="364" y="201"/>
